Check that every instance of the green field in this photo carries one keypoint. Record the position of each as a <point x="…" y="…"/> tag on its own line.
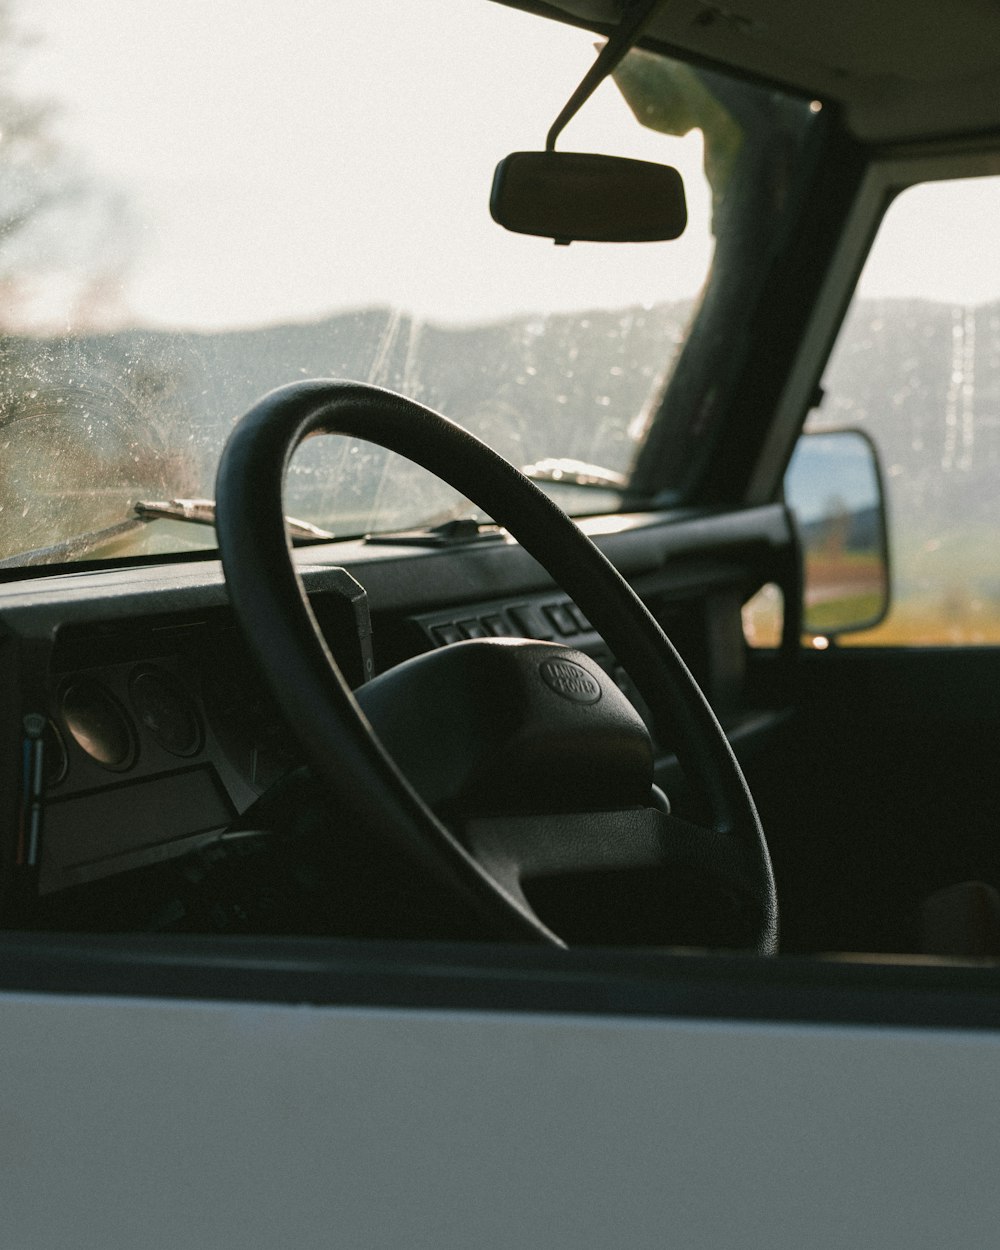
<point x="945" y="592"/>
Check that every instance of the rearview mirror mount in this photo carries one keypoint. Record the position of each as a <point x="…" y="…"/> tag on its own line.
<point x="584" y="195"/>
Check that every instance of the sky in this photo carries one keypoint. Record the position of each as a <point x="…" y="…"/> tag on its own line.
<point x="939" y="240"/>
<point x="281" y="161"/>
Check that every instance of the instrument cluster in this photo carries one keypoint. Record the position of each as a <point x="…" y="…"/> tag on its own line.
<point x="143" y="758"/>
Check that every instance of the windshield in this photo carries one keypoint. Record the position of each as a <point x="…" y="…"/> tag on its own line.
<point x="203" y="202"/>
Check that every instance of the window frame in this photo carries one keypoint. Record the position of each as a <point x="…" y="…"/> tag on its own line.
<point x="887" y="175"/>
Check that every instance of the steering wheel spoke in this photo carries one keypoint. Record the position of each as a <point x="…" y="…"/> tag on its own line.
<point x="516" y="850"/>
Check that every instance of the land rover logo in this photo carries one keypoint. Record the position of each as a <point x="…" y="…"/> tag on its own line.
<point x="570" y="680"/>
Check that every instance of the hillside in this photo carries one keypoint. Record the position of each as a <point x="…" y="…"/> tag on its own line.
<point x="155" y="406"/>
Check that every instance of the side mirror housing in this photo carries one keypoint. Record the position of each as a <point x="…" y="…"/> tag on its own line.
<point x="833" y="486"/>
<point x="588" y="196"/>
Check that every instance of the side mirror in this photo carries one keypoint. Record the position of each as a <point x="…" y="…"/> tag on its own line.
<point x="588" y="196"/>
<point x="833" y="485"/>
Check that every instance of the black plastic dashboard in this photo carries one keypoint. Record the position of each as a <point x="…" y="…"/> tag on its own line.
<point x="158" y="732"/>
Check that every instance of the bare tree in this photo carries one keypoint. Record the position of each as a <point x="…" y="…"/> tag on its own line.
<point x="80" y="438"/>
<point x="59" y="228"/>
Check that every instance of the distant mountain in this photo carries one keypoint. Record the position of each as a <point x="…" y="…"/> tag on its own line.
<point x="923" y="379"/>
<point x="533" y="382"/>
<point x="155" y="406"/>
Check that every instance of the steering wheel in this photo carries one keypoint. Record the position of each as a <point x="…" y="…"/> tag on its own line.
<point x="489" y="762"/>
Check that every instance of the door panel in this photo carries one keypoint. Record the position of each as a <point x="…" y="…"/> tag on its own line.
<point x="884" y="789"/>
<point x="249" y="1124"/>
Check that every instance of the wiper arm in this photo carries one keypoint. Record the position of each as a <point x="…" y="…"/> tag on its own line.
<point x="557" y="470"/>
<point x="575" y="473"/>
<point x="202" y="512"/>
<point x="451" y="533"/>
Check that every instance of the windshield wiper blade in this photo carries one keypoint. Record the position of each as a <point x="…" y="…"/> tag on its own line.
<point x="198" y="511"/>
<point x="555" y="470"/>
<point x="575" y="473"/>
<point x="202" y="512"/>
<point x="451" y="533"/>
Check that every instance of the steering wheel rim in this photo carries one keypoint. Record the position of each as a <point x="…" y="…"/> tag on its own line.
<point x="270" y="603"/>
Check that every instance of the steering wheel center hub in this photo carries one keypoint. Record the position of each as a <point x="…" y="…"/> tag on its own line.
<point x="570" y="680"/>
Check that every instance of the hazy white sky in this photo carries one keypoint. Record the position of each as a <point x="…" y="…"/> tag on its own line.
<point x="939" y="240"/>
<point x="283" y="160"/>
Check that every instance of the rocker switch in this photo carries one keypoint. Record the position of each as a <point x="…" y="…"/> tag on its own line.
<point x="532" y="623"/>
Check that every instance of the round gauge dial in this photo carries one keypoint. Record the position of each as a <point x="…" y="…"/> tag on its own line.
<point x="98" y="723"/>
<point x="166" y="710"/>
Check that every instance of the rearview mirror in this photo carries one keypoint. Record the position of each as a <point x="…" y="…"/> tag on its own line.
<point x="588" y="196"/>
<point x="833" y="485"/>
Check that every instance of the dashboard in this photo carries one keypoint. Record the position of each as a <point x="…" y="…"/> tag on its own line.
<point x="138" y="729"/>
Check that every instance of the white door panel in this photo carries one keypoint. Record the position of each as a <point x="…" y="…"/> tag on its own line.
<point x="134" y="1123"/>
